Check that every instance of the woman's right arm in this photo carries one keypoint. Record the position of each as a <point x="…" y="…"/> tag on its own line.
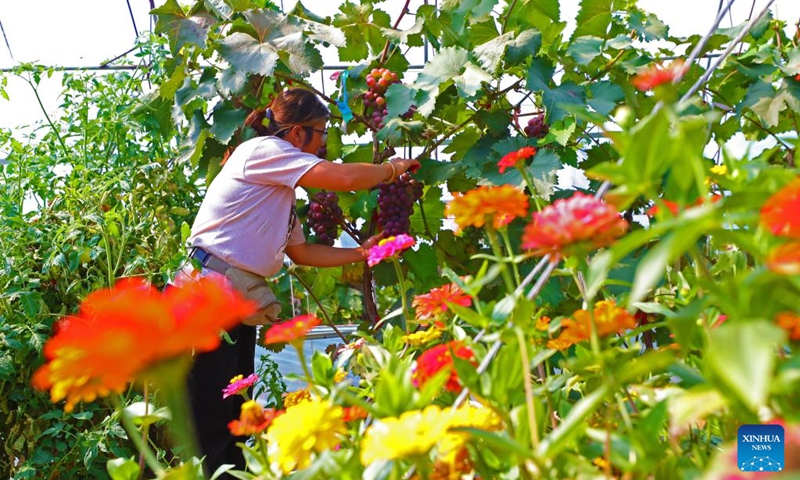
<point x="347" y="177"/>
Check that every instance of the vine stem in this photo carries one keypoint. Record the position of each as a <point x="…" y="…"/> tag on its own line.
<point x="526" y="377"/>
<point x="328" y="319"/>
<point x="396" y="24"/>
<point x="404" y="302"/>
<point x="140" y="444"/>
<point x="46" y="116"/>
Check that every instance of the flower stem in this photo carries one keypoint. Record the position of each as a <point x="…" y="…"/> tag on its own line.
<point x="298" y="347"/>
<point x="531" y="187"/>
<point x="138" y="441"/>
<point x="507" y="243"/>
<point x="526" y="377"/>
<point x="492" y="234"/>
<point x="402" y="280"/>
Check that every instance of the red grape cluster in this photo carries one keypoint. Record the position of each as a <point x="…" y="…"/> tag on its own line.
<point x="378" y="80"/>
<point x="396" y="204"/>
<point x="536" y="127"/>
<point x="323" y="213"/>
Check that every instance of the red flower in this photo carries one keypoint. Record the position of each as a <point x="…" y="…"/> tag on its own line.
<point x="253" y="419"/>
<point x="781" y="212"/>
<point x="353" y="413"/>
<point x="580" y="219"/>
<point x="119" y="332"/>
<point x="438" y="359"/>
<point x="511" y="159"/>
<point x="785" y="259"/>
<point x="657" y="74"/>
<point x="434" y="303"/>
<point x="291" y="330"/>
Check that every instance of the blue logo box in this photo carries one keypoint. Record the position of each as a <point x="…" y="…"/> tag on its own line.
<point x="760" y="448"/>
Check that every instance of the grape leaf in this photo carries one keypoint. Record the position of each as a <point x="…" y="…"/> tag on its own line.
<point x="180" y="28"/>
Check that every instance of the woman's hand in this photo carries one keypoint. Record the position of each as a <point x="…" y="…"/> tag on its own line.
<point x="404" y="165"/>
<point x="369" y="243"/>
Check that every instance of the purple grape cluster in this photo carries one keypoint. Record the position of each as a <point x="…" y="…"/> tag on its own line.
<point x="396" y="204"/>
<point x="536" y="127"/>
<point x="323" y="212"/>
<point x="378" y="80"/>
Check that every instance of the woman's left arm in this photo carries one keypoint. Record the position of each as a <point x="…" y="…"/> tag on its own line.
<point x="316" y="255"/>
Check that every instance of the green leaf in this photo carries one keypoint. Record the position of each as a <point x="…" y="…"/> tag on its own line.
<point x="399" y="98"/>
<point x="742" y="356"/>
<point x="490" y="54"/>
<point x="572" y="424"/>
<point x="585" y="49"/>
<point x="471" y="80"/>
<point x="648" y="26"/>
<point x="322" y="368"/>
<point x="769" y="109"/>
<point x="566" y="94"/>
<point x="593" y="18"/>
<point x="122" y="469"/>
<point x="226" y="120"/>
<point x="436" y="74"/>
<point x="545" y="16"/>
<point x="247" y="54"/>
<point x="422" y="263"/>
<point x="605" y="96"/>
<point x="144" y="413"/>
<point x="180" y="28"/>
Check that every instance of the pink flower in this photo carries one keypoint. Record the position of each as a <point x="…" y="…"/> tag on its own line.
<point x="580" y="219"/>
<point x="511" y="159"/>
<point x="389" y="247"/>
<point x="239" y="384"/>
<point x="656" y="75"/>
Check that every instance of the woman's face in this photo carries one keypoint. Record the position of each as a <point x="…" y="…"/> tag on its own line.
<point x="309" y="139"/>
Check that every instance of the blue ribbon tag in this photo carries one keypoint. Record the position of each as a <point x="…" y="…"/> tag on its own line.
<point x="347" y="114"/>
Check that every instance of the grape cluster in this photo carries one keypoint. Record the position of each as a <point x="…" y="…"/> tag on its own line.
<point x="536" y="127"/>
<point x="396" y="204"/>
<point x="323" y="212"/>
<point x="378" y="80"/>
<point x="322" y="152"/>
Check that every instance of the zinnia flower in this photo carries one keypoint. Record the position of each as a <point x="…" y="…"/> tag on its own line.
<point x="785" y="259"/>
<point x="292" y="330"/>
<point x="789" y="322"/>
<point x="389" y="247"/>
<point x="354" y="413"/>
<point x="781" y="213"/>
<point x="511" y="159"/>
<point x="571" y="223"/>
<point x="305" y="428"/>
<point x="496" y="205"/>
<point x="656" y="75"/>
<point x="122" y="331"/>
<point x="239" y="384"/>
<point x="608" y="318"/>
<point x="413" y="433"/>
<point x="543" y="323"/>
<point x="422" y="337"/>
<point x="291" y="399"/>
<point x="465" y="416"/>
<point x="253" y="419"/>
<point x="434" y="303"/>
<point x="439" y="359"/>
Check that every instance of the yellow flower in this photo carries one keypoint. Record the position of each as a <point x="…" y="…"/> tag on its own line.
<point x="543" y="323"/>
<point x="305" y="428"/>
<point x="467" y="416"/>
<point x="487" y="204"/>
<point x="422" y="337"/>
<point x="600" y="462"/>
<point x="413" y="433"/>
<point x="339" y="375"/>
<point x="719" y="169"/>
<point x="293" y="398"/>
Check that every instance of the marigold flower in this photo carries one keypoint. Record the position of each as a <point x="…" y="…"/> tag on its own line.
<point x="120" y="332"/>
<point x="781" y="213"/>
<point x="608" y="318"/>
<point x="438" y="359"/>
<point x="657" y="74"/>
<point x="305" y="428"/>
<point x="789" y="322"/>
<point x="571" y="223"/>
<point x="422" y="337"/>
<point x="511" y="159"/>
<point x="413" y="433"/>
<point x="239" y="384"/>
<point x="388" y="248"/>
<point x="291" y="399"/>
<point x="543" y="323"/>
<point x="354" y="413"/>
<point x="253" y="419"/>
<point x="292" y="330"/>
<point x="434" y="303"/>
<point x="785" y="259"/>
<point x="465" y="416"/>
<point x="496" y="205"/>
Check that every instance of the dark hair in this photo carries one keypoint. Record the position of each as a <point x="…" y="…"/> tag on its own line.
<point x="295" y="106"/>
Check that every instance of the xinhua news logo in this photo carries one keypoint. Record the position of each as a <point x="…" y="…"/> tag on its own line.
<point x="760" y="448"/>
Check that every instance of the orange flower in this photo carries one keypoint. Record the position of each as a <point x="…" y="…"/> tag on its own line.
<point x="497" y="205"/>
<point x="253" y="419"/>
<point x="353" y="413"/>
<point x="291" y="330"/>
<point x="119" y="332"/>
<point x="657" y="74"/>
<point x="580" y="219"/>
<point x="785" y="259"/>
<point x="781" y="213"/>
<point x="434" y="303"/>
<point x="438" y="359"/>
<point x="789" y="322"/>
<point x="608" y="318"/>
<point x="543" y="323"/>
<point x="510" y="160"/>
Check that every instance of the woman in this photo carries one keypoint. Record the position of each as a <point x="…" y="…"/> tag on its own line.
<point x="244" y="227"/>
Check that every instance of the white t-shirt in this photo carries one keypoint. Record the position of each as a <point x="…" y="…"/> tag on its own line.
<point x="247" y="217"/>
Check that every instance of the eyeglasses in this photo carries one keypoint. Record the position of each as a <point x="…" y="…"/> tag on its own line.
<point x="323" y="133"/>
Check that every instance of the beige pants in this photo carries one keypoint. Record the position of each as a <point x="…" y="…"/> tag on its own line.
<point x="255" y="288"/>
